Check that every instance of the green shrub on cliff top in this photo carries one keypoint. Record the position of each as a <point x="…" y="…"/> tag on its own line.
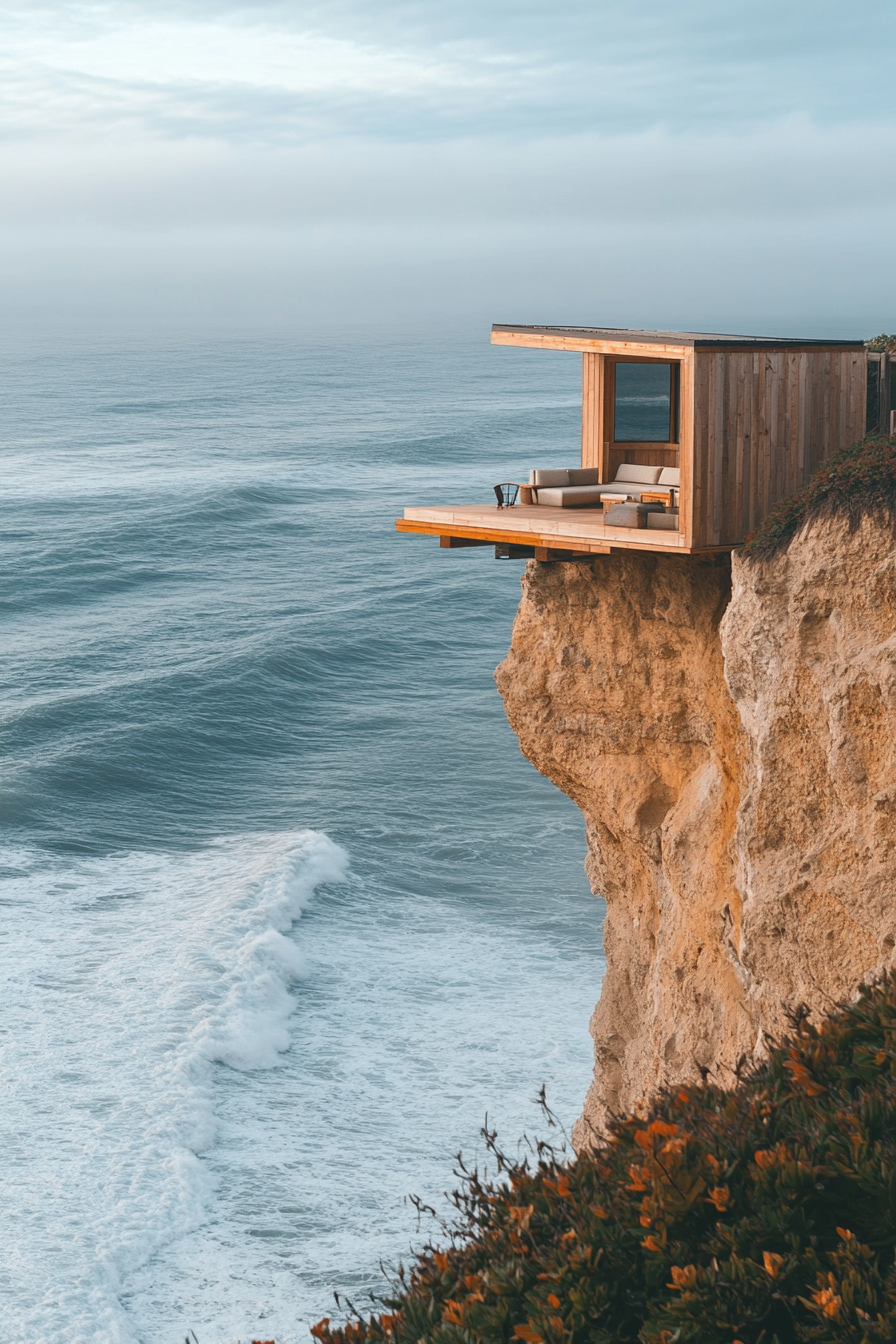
<point x="861" y="479"/>
<point x="764" y="1213"/>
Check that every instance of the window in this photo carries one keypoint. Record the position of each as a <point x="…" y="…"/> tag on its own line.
<point x="646" y="403"/>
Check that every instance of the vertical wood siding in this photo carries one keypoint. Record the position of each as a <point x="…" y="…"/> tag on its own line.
<point x="764" y="421"/>
<point x="645" y="454"/>
<point x="592" y="410"/>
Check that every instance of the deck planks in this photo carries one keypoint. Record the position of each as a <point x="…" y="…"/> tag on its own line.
<point x="535" y="524"/>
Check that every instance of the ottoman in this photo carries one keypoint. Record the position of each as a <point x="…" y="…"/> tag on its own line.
<point x="631" y="514"/>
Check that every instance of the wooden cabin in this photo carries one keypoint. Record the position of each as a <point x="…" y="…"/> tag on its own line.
<point x="738" y="421"/>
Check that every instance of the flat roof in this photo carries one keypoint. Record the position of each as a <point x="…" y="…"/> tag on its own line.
<point x="584" y="338"/>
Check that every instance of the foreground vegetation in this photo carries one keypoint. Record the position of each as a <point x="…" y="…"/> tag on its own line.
<point x="766" y="1212"/>
<point x="860" y="480"/>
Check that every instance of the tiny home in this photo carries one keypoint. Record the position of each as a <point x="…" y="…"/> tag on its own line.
<point x="688" y="440"/>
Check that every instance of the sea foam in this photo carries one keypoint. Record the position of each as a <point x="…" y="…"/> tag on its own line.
<point x="127" y="980"/>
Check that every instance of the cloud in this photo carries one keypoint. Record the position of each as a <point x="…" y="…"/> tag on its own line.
<point x="777" y="173"/>
<point x="427" y="71"/>
<point x="636" y="164"/>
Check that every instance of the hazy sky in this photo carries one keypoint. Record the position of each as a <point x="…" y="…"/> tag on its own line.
<point x="705" y="163"/>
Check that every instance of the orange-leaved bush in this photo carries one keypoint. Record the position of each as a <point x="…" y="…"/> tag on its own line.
<point x="764" y="1212"/>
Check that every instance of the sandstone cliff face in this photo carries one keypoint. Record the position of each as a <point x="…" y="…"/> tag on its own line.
<point x="809" y="642"/>
<point x="730" y="736"/>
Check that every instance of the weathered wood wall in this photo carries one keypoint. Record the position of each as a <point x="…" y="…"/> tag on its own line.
<point x="645" y="454"/>
<point x="592" y="409"/>
<point x="764" y="421"/>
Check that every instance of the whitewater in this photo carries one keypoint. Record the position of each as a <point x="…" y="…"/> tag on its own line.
<point x="285" y="912"/>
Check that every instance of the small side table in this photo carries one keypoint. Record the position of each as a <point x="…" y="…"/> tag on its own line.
<point x="606" y="498"/>
<point x="666" y="497"/>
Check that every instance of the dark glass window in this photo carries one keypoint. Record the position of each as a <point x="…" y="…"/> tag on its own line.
<point x="646" y="403"/>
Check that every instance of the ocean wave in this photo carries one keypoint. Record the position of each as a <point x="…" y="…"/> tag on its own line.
<point x="129" y="980"/>
<point x="248" y="1028"/>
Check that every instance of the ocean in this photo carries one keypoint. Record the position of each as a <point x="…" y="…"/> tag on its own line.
<point x="286" y="914"/>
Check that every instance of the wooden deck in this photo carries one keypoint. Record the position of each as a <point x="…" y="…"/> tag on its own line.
<point x="578" y="531"/>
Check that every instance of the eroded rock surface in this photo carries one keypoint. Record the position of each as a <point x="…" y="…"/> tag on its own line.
<point x="732" y="746"/>
<point x="809" y="642"/>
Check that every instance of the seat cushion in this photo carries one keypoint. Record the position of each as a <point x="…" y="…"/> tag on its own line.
<point x="663" y="522"/>
<point x="569" y="496"/>
<point x="670" y="476"/>
<point x="559" y="477"/>
<point x="631" y="471"/>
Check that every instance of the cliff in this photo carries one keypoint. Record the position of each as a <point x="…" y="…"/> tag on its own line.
<point x="729" y="733"/>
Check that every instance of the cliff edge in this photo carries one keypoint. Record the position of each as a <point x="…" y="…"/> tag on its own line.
<point x="729" y="733"/>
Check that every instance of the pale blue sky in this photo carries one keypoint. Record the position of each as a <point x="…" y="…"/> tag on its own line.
<point x="700" y="164"/>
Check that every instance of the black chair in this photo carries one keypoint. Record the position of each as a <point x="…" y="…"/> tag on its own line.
<point x="506" y="494"/>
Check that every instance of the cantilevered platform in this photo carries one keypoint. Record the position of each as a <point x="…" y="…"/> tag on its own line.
<point x="580" y="531"/>
<point x="742" y="421"/>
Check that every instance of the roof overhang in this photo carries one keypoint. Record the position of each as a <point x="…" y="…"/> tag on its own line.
<point x="648" y="344"/>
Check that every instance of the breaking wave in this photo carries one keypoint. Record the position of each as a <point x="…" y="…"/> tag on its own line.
<point x="143" y="971"/>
